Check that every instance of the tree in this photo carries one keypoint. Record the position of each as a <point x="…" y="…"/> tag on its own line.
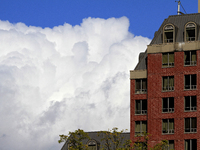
<point x="142" y="143"/>
<point x="113" y="139"/>
<point x="75" y="139"/>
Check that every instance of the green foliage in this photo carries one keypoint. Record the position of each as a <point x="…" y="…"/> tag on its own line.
<point x="142" y="143"/>
<point x="74" y="139"/>
<point x="112" y="139"/>
<point x="161" y="146"/>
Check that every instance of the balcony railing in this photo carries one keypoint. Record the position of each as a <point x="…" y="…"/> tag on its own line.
<point x="191" y="130"/>
<point x="190" y="38"/>
<point x="191" y="108"/>
<point x="141" y="112"/>
<point x="141" y="91"/>
<point x="168" y="88"/>
<point x="170" y="64"/>
<point x="190" y="87"/>
<point x="190" y="63"/>
<point x="168" y="110"/>
<point x="169" y="131"/>
<point x="168" y="40"/>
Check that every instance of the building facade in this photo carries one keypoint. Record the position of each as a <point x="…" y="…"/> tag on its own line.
<point x="165" y="85"/>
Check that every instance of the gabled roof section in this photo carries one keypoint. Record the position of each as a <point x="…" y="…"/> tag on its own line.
<point x="179" y="22"/>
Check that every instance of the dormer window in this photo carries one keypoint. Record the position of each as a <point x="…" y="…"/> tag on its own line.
<point x="168" y="36"/>
<point x="92" y="145"/>
<point x="190" y="30"/>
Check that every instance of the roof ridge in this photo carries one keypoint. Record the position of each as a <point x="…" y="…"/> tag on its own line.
<point x="100" y="131"/>
<point x="185" y="15"/>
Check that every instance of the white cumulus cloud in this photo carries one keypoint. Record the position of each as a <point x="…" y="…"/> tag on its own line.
<point x="56" y="80"/>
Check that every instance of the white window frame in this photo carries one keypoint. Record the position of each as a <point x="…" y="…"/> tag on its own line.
<point x="191" y="87"/>
<point x="169" y="88"/>
<point x="169" y="131"/>
<point x="191" y="130"/>
<point x="191" y="108"/>
<point x="169" y="110"/>
<point x="141" y="90"/>
<point x="142" y="112"/>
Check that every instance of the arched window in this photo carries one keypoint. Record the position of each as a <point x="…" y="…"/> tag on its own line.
<point x="92" y="145"/>
<point x="190" y="31"/>
<point x="168" y="36"/>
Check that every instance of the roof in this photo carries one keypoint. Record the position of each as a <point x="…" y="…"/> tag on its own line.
<point x="179" y="21"/>
<point x="94" y="136"/>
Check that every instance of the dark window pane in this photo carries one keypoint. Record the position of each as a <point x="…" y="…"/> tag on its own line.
<point x="194" y="144"/>
<point x="187" y="103"/>
<point x="165" y="59"/>
<point x="171" y="59"/>
<point x="165" y="105"/>
<point x="144" y="106"/>
<point x="144" y="84"/>
<point x="187" y="124"/>
<point x="137" y="107"/>
<point x="187" y="81"/>
<point x="138" y="84"/>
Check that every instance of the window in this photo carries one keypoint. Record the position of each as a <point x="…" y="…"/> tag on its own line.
<point x="190" y="32"/>
<point x="191" y="144"/>
<point x="141" y="86"/>
<point x="168" y="83"/>
<point x="168" y="59"/>
<point x="168" y="126"/>
<point x="190" y="58"/>
<point x="140" y="127"/>
<point x="190" y="103"/>
<point x="168" y="34"/>
<point x="190" y="82"/>
<point x="92" y="145"/>
<point x="141" y="107"/>
<point x="190" y="125"/>
<point x="170" y="145"/>
<point x="168" y="105"/>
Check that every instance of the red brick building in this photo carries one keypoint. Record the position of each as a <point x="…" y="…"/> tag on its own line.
<point x="165" y="85"/>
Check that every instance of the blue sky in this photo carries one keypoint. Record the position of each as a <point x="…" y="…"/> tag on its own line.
<point x="145" y="15"/>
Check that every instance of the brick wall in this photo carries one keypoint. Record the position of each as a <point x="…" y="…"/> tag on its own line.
<point x="154" y="116"/>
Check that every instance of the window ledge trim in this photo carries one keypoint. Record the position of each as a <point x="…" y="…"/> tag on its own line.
<point x="140" y="114"/>
<point x="167" y="133"/>
<point x="190" y="110"/>
<point x="190" y="132"/>
<point x="167" y="90"/>
<point x="190" y="89"/>
<point x="168" y="67"/>
<point x="167" y="112"/>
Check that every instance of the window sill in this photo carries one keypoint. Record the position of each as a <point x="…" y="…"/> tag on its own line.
<point x="167" y="133"/>
<point x="189" y="65"/>
<point x="140" y="93"/>
<point x="168" y="67"/>
<point x="167" y="90"/>
<point x="190" y="110"/>
<point x="139" y="135"/>
<point x="168" y="112"/>
<point x="190" y="89"/>
<point x="189" y="132"/>
<point x="140" y="114"/>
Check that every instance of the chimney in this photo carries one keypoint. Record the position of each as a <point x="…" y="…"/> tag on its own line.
<point x="198" y="6"/>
